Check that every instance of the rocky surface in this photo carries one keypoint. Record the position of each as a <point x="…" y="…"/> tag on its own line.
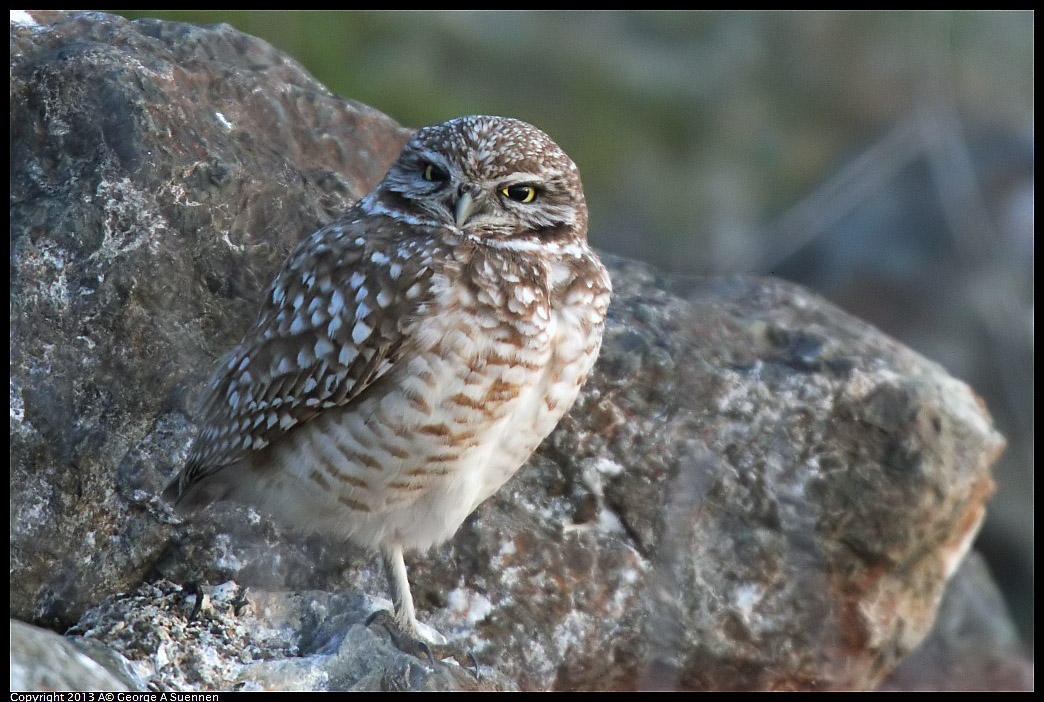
<point x="973" y="646"/>
<point x="43" y="660"/>
<point x="169" y="637"/>
<point x="755" y="490"/>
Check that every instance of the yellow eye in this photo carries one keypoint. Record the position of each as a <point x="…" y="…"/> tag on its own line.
<point x="519" y="193"/>
<point x="433" y="174"/>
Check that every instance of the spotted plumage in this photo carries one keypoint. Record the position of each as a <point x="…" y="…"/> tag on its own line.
<point x="410" y="356"/>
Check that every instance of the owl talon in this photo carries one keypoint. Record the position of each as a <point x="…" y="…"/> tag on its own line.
<point x="464" y="657"/>
<point x="402" y="640"/>
<point x="193" y="589"/>
<point x="411" y="645"/>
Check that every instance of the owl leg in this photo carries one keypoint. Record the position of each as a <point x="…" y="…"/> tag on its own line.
<point x="402" y="598"/>
<point x="402" y="625"/>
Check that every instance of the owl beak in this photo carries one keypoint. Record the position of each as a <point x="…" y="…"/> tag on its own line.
<point x="465" y="206"/>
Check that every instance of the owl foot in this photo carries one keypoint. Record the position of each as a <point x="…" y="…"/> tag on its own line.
<point x="401" y="639"/>
<point x="463" y="656"/>
<point x="193" y="588"/>
<point x="413" y="645"/>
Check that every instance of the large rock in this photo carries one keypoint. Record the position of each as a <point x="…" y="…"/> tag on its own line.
<point x="755" y="490"/>
<point x="160" y="174"/>
<point x="41" y="660"/>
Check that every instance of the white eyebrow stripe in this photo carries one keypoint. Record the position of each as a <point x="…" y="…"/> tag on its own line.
<point x="434" y="157"/>
<point x="567" y="249"/>
<point x="522" y="178"/>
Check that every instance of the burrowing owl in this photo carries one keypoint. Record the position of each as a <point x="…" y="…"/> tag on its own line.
<point x="410" y="356"/>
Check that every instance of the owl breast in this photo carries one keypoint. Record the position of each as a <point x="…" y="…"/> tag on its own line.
<point x="497" y="358"/>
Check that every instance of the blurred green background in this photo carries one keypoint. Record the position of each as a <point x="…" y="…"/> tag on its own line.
<point x="884" y="159"/>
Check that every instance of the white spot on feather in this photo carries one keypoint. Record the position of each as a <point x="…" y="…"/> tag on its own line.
<point x="323" y="348"/>
<point x="361" y="332"/>
<point x="347" y="355"/>
<point x="525" y="294"/>
<point x="336" y="303"/>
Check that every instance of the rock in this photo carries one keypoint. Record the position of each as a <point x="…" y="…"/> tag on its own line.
<point x="41" y="660"/>
<point x="754" y="491"/>
<point x="973" y="645"/>
<point x="228" y="638"/>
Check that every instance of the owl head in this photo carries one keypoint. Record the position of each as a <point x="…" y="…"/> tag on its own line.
<point x="495" y="180"/>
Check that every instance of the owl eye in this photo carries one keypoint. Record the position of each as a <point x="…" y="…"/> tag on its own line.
<point x="519" y="193"/>
<point x="433" y="174"/>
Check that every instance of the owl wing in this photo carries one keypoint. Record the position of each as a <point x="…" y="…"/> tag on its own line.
<point x="338" y="317"/>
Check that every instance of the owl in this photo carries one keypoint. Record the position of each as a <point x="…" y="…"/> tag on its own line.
<point x="410" y="356"/>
